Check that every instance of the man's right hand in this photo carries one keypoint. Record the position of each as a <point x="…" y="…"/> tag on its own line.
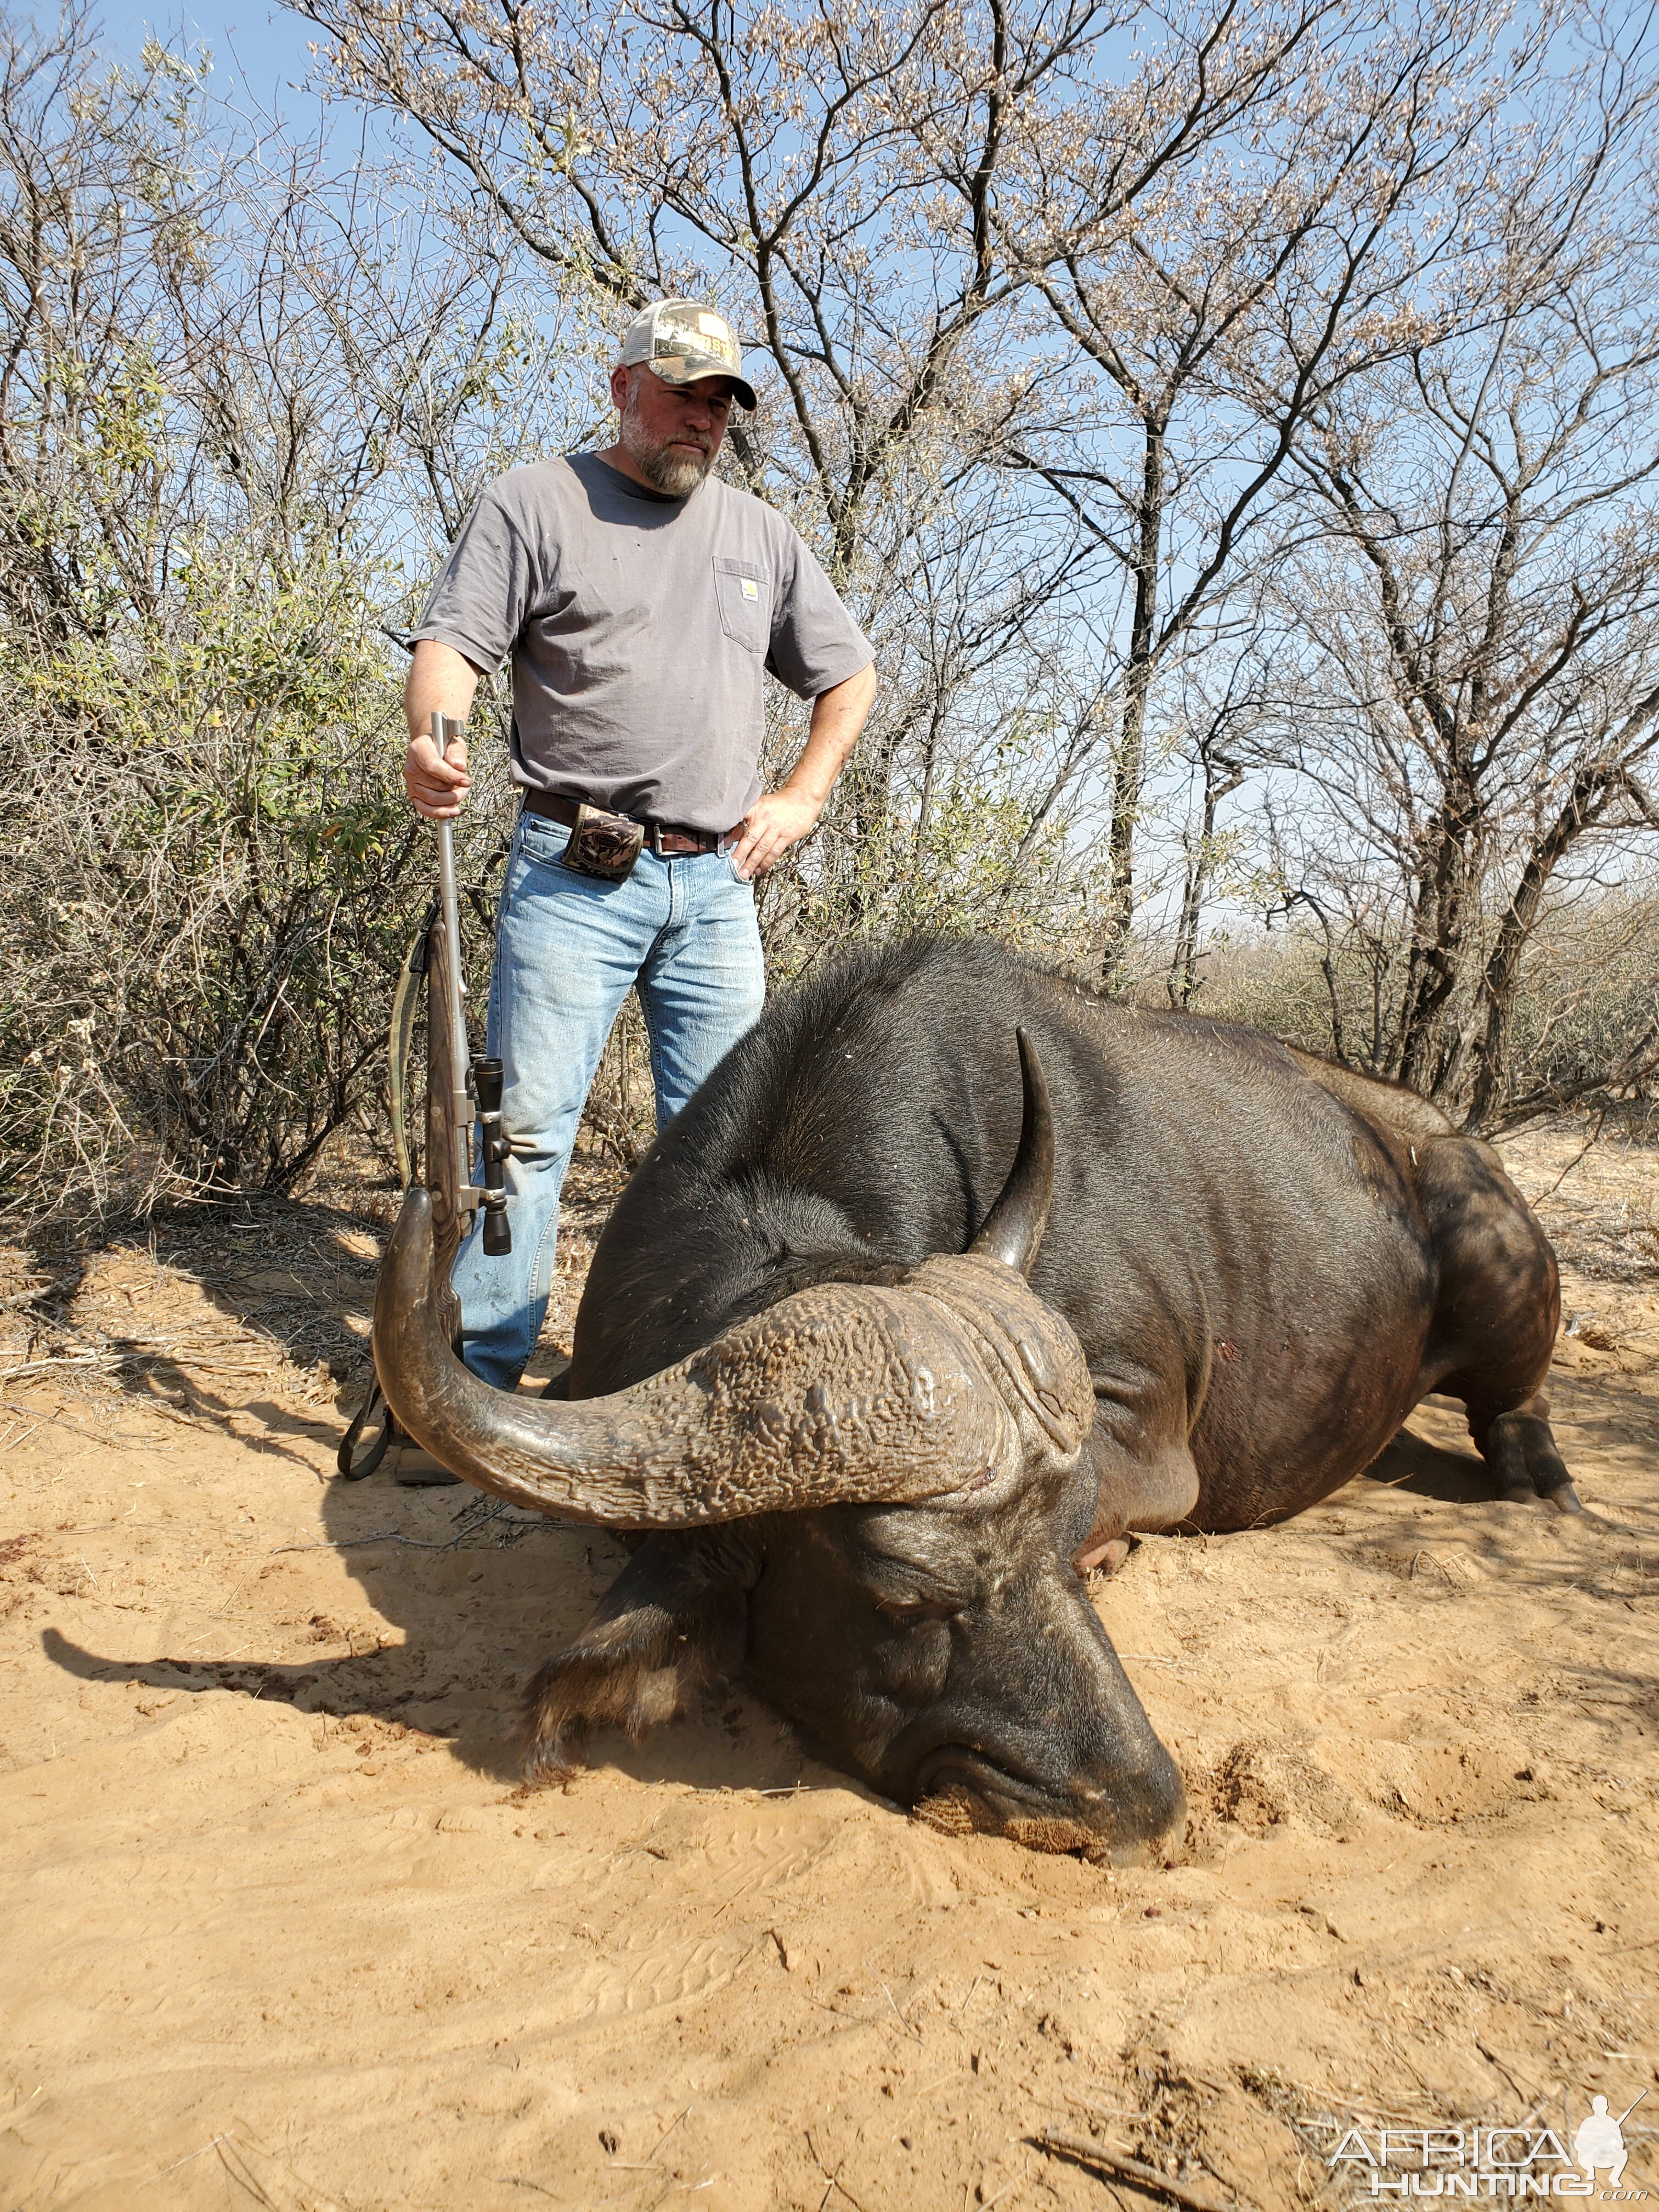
<point x="440" y="681"/>
<point x="437" y="787"/>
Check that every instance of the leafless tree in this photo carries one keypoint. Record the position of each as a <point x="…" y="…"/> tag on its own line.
<point x="1216" y="308"/>
<point x="1477" y="633"/>
<point x="1218" y="722"/>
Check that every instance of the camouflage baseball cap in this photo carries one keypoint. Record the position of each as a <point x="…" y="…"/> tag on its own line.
<point x="682" y="340"/>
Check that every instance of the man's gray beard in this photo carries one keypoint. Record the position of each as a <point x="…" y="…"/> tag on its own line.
<point x="677" y="474"/>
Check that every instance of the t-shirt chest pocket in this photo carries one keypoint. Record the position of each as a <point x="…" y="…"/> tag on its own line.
<point x="745" y="603"/>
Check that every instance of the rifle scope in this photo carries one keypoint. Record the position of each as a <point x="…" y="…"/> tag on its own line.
<point x="487" y="1090"/>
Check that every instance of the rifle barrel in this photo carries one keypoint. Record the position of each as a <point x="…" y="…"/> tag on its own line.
<point x="445" y="731"/>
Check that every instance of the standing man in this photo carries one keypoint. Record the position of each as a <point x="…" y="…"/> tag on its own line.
<point x="640" y="599"/>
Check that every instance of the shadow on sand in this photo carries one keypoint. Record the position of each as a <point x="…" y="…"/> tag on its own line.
<point x="1427" y="1470"/>
<point x="469" y="1599"/>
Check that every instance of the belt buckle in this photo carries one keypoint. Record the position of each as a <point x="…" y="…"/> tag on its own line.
<point x="653" y="837"/>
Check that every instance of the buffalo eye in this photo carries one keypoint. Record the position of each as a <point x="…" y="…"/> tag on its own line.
<point x="903" y="1612"/>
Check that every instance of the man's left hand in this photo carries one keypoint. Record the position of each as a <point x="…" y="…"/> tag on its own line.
<point x="777" y="820"/>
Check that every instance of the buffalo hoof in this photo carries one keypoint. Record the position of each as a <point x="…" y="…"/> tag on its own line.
<point x="1521" y="1450"/>
<point x="1563" y="1497"/>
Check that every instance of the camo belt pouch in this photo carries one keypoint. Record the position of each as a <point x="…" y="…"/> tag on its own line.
<point x="603" y="845"/>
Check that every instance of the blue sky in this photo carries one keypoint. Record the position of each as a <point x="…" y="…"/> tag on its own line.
<point x="255" y="46"/>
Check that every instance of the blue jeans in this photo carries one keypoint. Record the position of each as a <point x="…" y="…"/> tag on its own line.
<point x="568" y="949"/>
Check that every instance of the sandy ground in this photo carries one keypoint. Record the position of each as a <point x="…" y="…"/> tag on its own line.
<point x="279" y="1929"/>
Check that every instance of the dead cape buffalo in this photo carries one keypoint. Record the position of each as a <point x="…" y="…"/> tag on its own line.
<point x="875" y="1394"/>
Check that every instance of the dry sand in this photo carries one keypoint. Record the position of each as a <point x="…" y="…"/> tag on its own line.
<point x="280" y="1930"/>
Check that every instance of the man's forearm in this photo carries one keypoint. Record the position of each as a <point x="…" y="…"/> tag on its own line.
<point x="838" y="715"/>
<point x="780" y="818"/>
<point x="440" y="682"/>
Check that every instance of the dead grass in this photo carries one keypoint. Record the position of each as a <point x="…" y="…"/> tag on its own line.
<point x="1596" y="1188"/>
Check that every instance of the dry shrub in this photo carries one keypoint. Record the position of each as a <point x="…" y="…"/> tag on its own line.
<point x="1586" y="1025"/>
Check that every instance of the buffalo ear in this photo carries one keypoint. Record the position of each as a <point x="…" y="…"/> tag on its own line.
<point x="675" y="1617"/>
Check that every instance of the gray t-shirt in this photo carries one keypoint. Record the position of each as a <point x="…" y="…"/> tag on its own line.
<point x="639" y="627"/>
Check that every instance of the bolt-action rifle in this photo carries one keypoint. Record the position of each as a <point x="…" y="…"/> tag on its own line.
<point x="462" y="1088"/>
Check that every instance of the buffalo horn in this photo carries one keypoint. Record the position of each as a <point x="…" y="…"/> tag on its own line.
<point x="1013" y="1229"/>
<point x="843" y="1393"/>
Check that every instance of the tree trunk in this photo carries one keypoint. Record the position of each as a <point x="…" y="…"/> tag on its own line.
<point x="1183" y="980"/>
<point x="1436" y="956"/>
<point x="1138" y="682"/>
<point x="1590" y="789"/>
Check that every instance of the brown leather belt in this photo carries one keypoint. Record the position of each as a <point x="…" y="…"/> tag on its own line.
<point x="661" y="837"/>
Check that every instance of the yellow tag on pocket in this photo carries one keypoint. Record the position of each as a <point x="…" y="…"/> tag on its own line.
<point x="750" y="588"/>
